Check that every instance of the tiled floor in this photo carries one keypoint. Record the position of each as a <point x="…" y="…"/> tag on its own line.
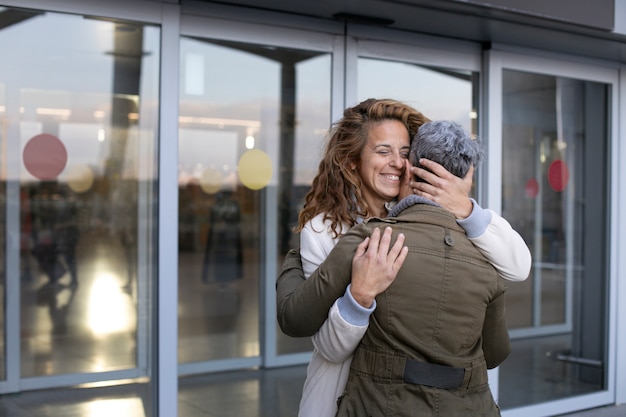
<point x="253" y="393"/>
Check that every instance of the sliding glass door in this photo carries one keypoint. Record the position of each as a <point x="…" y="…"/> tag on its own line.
<point x="78" y="132"/>
<point x="254" y="112"/>
<point x="555" y="135"/>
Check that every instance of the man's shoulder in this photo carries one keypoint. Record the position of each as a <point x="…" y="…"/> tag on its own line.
<point x="378" y="221"/>
<point x="427" y="214"/>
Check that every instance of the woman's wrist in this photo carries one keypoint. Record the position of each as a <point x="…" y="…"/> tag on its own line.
<point x="464" y="211"/>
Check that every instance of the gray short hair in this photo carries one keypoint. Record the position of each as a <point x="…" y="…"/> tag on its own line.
<point x="447" y="143"/>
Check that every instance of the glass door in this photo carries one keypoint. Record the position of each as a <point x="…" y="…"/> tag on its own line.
<point x="78" y="132"/>
<point x="255" y="105"/>
<point x="552" y="144"/>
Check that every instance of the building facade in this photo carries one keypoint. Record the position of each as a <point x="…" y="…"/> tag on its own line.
<point x="155" y="155"/>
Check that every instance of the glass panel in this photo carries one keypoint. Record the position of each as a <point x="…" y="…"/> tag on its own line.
<point x="555" y="148"/>
<point x="439" y="93"/>
<point x="80" y="105"/>
<point x="252" y="123"/>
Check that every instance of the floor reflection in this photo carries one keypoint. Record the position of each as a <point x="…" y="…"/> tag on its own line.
<point x="251" y="393"/>
<point x="84" y="326"/>
<point x="532" y="373"/>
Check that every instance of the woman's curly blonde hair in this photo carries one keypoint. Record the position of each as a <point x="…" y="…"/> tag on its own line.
<point x="336" y="189"/>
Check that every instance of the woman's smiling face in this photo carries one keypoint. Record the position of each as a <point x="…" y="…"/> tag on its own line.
<point x="382" y="163"/>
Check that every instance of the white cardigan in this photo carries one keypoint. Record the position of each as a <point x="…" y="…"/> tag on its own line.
<point x="335" y="342"/>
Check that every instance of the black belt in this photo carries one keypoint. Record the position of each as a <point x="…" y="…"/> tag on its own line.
<point x="433" y="375"/>
<point x="395" y="367"/>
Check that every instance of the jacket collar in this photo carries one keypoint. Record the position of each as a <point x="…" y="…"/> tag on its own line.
<point x="408" y="202"/>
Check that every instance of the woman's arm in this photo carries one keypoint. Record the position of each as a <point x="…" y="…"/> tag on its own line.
<point x="498" y="242"/>
<point x="338" y="336"/>
<point x="343" y="330"/>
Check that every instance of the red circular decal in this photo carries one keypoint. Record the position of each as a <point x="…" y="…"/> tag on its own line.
<point x="558" y="175"/>
<point x="532" y="188"/>
<point x="45" y="156"/>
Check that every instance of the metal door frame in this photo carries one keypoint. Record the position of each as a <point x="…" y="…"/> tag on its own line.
<point x="142" y="12"/>
<point x="496" y="60"/>
<point x="231" y="24"/>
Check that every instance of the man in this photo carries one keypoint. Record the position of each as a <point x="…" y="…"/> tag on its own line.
<point x="440" y="324"/>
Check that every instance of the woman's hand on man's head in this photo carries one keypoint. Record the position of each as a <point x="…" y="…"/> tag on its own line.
<point x="442" y="187"/>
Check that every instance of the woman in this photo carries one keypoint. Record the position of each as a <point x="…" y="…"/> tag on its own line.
<point x="359" y="177"/>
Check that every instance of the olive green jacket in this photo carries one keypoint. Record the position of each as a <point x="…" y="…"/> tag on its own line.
<point x="446" y="305"/>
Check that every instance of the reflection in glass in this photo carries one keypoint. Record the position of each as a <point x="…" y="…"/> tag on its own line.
<point x="80" y="108"/>
<point x="439" y="93"/>
<point x="555" y="194"/>
<point x="252" y="123"/>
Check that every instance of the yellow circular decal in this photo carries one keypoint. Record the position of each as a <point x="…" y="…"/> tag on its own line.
<point x="80" y="178"/>
<point x="255" y="169"/>
<point x="210" y="180"/>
